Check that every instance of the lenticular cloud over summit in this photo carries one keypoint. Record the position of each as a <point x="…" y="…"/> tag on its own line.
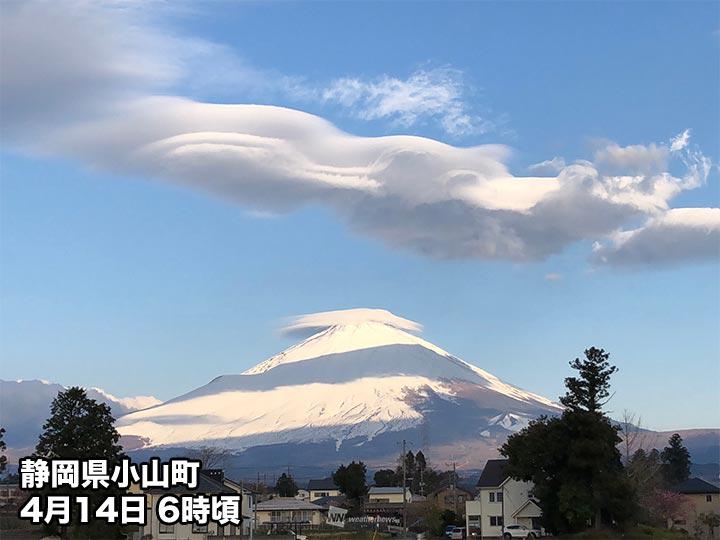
<point x="326" y="319"/>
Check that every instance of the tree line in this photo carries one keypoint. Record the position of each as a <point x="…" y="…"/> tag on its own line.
<point x="575" y="464"/>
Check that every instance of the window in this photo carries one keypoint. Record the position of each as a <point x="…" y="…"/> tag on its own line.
<point x="301" y="515"/>
<point x="492" y="496"/>
<point x="474" y="520"/>
<point x="199" y="528"/>
<point x="708" y="498"/>
<point x="496" y="521"/>
<point x="167" y="529"/>
<point x="499" y="496"/>
<point x="280" y="516"/>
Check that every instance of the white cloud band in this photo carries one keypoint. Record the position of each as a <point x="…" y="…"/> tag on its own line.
<point x="410" y="192"/>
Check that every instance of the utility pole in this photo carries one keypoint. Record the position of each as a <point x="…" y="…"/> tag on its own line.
<point x="404" y="486"/>
<point x="454" y="481"/>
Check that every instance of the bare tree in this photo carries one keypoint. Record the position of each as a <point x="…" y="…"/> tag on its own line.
<point x="212" y="457"/>
<point x="632" y="434"/>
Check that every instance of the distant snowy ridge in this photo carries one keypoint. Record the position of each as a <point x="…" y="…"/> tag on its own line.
<point x="25" y="405"/>
<point x="361" y="375"/>
<point x="134" y="403"/>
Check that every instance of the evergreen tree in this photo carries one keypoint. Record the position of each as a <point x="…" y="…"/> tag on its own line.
<point x="286" y="486"/>
<point x="351" y="480"/>
<point x="385" y="478"/>
<point x="676" y="461"/>
<point x="588" y="391"/>
<point x="81" y="428"/>
<point x="3" y="447"/>
<point x="573" y="459"/>
<point x="420" y="461"/>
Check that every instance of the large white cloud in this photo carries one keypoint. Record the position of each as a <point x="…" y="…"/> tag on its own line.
<point x="409" y="192"/>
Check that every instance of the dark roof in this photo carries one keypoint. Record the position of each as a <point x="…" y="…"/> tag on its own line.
<point x="322" y="484"/>
<point x="493" y="474"/>
<point x="695" y="485"/>
<point x="286" y="503"/>
<point x="325" y="502"/>
<point x="205" y="485"/>
<point x="447" y="485"/>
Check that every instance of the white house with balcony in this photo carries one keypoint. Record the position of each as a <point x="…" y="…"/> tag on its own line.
<point x="500" y="501"/>
<point x="288" y="512"/>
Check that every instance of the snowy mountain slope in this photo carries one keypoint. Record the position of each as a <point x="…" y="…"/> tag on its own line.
<point x="25" y="405"/>
<point x="360" y="376"/>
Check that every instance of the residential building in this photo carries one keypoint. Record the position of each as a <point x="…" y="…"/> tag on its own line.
<point x="248" y="497"/>
<point x="500" y="501"/>
<point x="11" y="495"/>
<point x="325" y="487"/>
<point x="703" y="498"/>
<point x="209" y="483"/>
<point x="388" y="495"/>
<point x="451" y="497"/>
<point x="288" y="511"/>
<point x="325" y="503"/>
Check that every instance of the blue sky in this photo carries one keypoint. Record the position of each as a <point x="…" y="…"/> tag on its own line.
<point x="141" y="278"/>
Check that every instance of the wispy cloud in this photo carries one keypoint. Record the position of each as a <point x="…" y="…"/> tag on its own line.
<point x="427" y="95"/>
<point x="553" y="276"/>
<point x="549" y="167"/>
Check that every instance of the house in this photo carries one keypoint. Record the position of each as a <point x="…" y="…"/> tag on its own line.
<point x="500" y="501"/>
<point x="450" y="497"/>
<point x="11" y="495"/>
<point x="288" y="511"/>
<point x="339" y="501"/>
<point x="303" y="495"/>
<point x="208" y="483"/>
<point x="386" y="503"/>
<point x="391" y="495"/>
<point x="324" y="487"/>
<point x="248" y="497"/>
<point x="703" y="498"/>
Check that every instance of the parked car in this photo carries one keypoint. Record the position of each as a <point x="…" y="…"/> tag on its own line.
<point x="455" y="533"/>
<point x="520" y="531"/>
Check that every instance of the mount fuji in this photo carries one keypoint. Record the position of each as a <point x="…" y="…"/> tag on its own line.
<point x="359" y="383"/>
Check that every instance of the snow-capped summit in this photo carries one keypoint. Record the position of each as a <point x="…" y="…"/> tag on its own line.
<point x="363" y="376"/>
<point x="344" y="331"/>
